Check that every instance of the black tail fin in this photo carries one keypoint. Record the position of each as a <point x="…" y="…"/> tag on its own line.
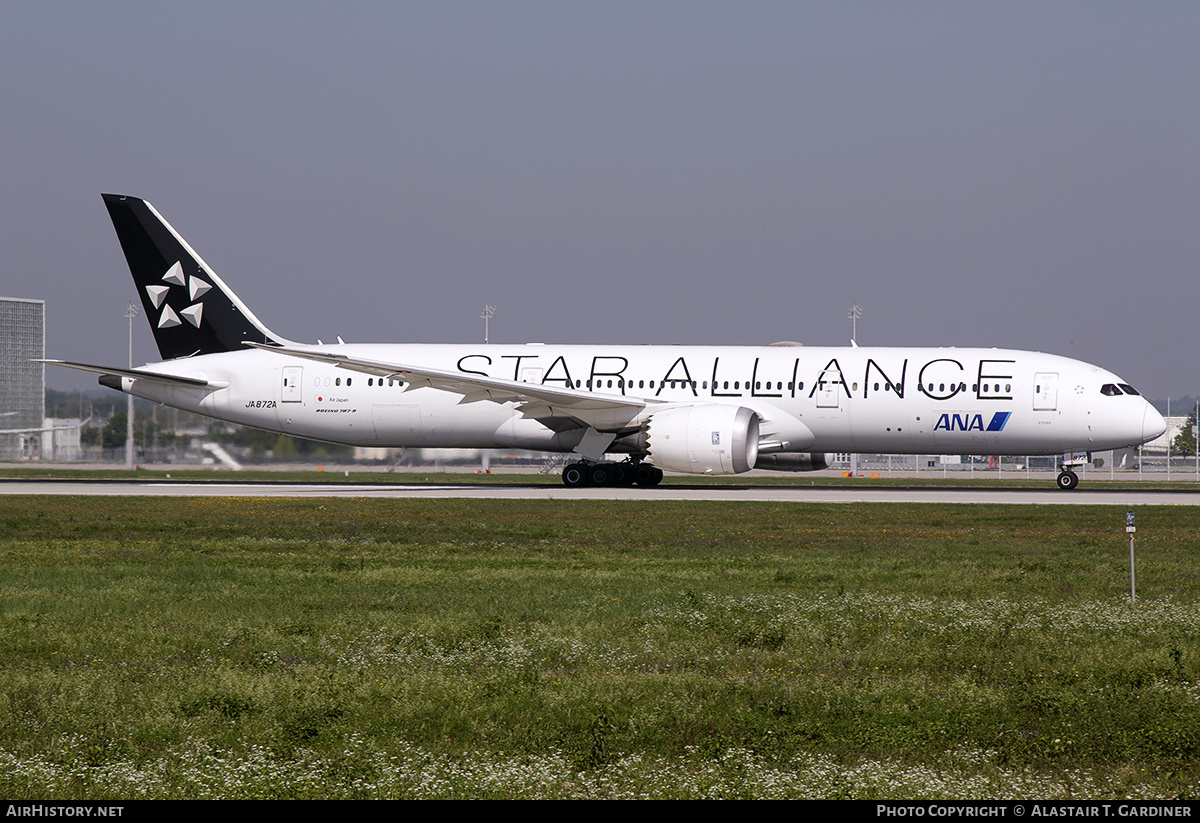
<point x="191" y="310"/>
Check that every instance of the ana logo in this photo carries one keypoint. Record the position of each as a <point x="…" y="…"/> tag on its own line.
<point x="716" y="437"/>
<point x="158" y="296"/>
<point x="968" y="422"/>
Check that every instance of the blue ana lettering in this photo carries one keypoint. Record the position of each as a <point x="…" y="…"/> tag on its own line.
<point x="959" y="423"/>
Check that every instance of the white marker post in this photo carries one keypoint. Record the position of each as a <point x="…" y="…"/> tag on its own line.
<point x="1130" y="529"/>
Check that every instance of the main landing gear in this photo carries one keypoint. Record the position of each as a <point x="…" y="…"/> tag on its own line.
<point x="576" y="475"/>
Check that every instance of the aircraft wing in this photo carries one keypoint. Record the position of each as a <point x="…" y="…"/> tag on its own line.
<point x="553" y="406"/>
<point x="136" y="374"/>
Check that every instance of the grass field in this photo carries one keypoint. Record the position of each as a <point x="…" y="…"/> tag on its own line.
<point x="178" y="648"/>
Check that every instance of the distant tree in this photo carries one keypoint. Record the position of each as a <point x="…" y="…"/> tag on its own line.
<point x="113" y="436"/>
<point x="1185" y="442"/>
<point x="285" y="448"/>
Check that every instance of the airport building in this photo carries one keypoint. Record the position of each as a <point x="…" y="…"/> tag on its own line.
<point x="22" y="382"/>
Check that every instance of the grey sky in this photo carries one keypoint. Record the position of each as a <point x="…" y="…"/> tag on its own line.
<point x="1022" y="175"/>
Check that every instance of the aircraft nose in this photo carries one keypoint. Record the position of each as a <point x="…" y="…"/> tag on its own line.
<point x="1153" y="425"/>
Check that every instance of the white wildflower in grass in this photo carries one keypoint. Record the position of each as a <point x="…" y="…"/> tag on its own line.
<point x="196" y="770"/>
<point x="818" y="613"/>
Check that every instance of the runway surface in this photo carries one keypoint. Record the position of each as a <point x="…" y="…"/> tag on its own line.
<point x="799" y="494"/>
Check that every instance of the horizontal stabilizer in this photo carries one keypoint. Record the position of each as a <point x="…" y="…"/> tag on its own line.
<point x="135" y="374"/>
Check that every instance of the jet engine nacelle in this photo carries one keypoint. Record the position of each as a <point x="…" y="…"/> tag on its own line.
<point x="813" y="462"/>
<point x="703" y="439"/>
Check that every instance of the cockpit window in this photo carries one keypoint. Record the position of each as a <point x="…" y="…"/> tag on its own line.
<point x="1109" y="390"/>
<point x="1129" y="389"/>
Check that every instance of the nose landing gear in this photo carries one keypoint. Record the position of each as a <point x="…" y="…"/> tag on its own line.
<point x="1067" y="480"/>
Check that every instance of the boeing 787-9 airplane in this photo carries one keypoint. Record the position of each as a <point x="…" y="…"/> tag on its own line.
<point x="694" y="409"/>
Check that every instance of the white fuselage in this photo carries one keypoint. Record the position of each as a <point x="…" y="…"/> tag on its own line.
<point x="878" y="400"/>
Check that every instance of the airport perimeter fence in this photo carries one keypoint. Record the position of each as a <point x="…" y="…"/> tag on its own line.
<point x="1127" y="465"/>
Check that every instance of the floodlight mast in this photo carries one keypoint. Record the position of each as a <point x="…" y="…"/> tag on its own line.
<point x="130" y="313"/>
<point x="855" y="313"/>
<point x="488" y="313"/>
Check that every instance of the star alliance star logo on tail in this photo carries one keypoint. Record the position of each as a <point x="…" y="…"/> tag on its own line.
<point x="158" y="296"/>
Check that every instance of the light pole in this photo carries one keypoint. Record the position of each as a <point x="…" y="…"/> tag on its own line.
<point x="855" y="313"/>
<point x="488" y="313"/>
<point x="131" y="313"/>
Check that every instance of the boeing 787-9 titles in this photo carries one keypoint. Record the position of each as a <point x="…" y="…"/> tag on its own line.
<point x="694" y="409"/>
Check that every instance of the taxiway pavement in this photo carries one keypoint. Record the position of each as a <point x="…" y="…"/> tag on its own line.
<point x="1083" y="496"/>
